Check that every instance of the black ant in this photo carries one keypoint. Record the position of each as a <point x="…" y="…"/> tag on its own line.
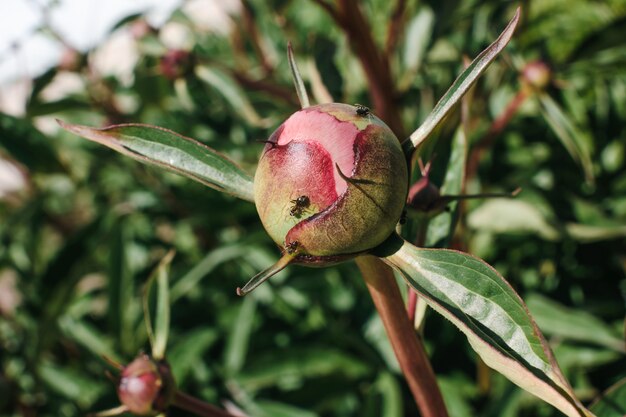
<point x="299" y="204"/>
<point x="361" y="110"/>
<point x="292" y="247"/>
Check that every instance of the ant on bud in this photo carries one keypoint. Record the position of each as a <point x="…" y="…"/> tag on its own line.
<point x="292" y="247"/>
<point x="299" y="205"/>
<point x="361" y="110"/>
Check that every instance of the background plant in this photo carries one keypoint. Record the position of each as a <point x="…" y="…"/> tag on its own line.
<point x="89" y="227"/>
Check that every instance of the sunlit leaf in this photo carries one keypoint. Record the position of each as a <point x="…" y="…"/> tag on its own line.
<point x="572" y="324"/>
<point x="238" y="341"/>
<point x="297" y="79"/>
<point x="159" y="334"/>
<point x="461" y="85"/>
<point x="570" y="136"/>
<point x="166" y="149"/>
<point x="511" y="216"/>
<point x="232" y="92"/>
<point x="472" y="295"/>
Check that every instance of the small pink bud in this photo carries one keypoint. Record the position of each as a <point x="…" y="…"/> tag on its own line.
<point x="145" y="387"/>
<point x="176" y="63"/>
<point x="331" y="183"/>
<point x="536" y="75"/>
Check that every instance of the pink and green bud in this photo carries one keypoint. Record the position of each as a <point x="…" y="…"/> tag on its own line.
<point x="536" y="76"/>
<point x="331" y="183"/>
<point x="145" y="387"/>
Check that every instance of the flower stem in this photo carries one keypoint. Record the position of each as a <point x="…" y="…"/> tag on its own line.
<point x="408" y="348"/>
<point x="198" y="407"/>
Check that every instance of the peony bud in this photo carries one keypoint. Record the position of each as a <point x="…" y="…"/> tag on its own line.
<point x="331" y="183"/>
<point x="145" y="387"/>
<point x="536" y="75"/>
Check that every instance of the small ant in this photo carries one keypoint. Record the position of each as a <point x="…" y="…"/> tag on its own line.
<point x="299" y="204"/>
<point x="292" y="247"/>
<point x="361" y="110"/>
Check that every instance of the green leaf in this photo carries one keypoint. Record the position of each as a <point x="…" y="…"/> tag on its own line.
<point x="122" y="306"/>
<point x="88" y="336"/>
<point x="441" y="228"/>
<point x="297" y="79"/>
<point x="461" y="85"/>
<point x="511" y="216"/>
<point x="570" y="136"/>
<point x="239" y="338"/>
<point x="212" y="260"/>
<point x="232" y="92"/>
<point x="572" y="324"/>
<point x="28" y="145"/>
<point x="159" y="335"/>
<point x="166" y="149"/>
<point x="71" y="384"/>
<point x="472" y="295"/>
<point x="613" y="401"/>
<point x="275" y="409"/>
<point x="188" y="352"/>
<point x="298" y="364"/>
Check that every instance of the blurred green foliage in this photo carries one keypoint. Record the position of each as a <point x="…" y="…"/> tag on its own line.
<point x="79" y="239"/>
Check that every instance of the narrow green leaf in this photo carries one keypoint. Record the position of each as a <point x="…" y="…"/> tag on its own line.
<point x="88" y="336"/>
<point x="122" y="307"/>
<point x="441" y="228"/>
<point x="461" y="85"/>
<point x="613" y="401"/>
<point x="572" y="324"/>
<point x="166" y="149"/>
<point x="276" y="409"/>
<point x="213" y="259"/>
<point x="28" y="145"/>
<point x="570" y="136"/>
<point x="71" y="384"/>
<point x="297" y="79"/>
<point x="472" y="295"/>
<point x="299" y="364"/>
<point x="239" y="338"/>
<point x="391" y="395"/>
<point x="587" y="233"/>
<point x="418" y="36"/>
<point x="188" y="351"/>
<point x="232" y="92"/>
<point x="158" y="335"/>
<point x="511" y="216"/>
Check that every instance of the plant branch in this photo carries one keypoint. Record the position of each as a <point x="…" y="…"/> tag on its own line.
<point x="407" y="346"/>
<point x="198" y="407"/>
<point x="396" y="25"/>
<point x="495" y="129"/>
<point x="350" y="18"/>
<point x="252" y="29"/>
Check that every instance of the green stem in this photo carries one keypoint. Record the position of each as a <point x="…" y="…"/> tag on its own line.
<point x="408" y="348"/>
<point x="198" y="407"/>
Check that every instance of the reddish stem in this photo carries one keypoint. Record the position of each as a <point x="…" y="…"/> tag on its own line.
<point x="408" y="348"/>
<point x="496" y="128"/>
<point x="348" y="15"/>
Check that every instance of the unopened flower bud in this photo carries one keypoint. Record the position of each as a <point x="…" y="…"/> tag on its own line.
<point x="146" y="387"/>
<point x="176" y="63"/>
<point x="536" y="75"/>
<point x="331" y="183"/>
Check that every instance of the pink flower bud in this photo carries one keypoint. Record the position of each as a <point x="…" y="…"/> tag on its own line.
<point x="536" y="75"/>
<point x="145" y="387"/>
<point x="331" y="183"/>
